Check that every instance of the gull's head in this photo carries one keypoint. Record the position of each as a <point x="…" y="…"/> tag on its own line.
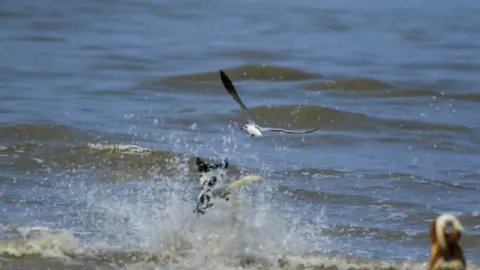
<point x="252" y="130"/>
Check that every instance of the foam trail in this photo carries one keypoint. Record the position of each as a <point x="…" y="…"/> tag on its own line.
<point x="120" y="148"/>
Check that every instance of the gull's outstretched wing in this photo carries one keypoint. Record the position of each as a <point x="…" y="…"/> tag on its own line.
<point x="227" y="83"/>
<point x="287" y="131"/>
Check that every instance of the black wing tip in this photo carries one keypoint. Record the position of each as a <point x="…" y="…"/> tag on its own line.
<point x="226" y="80"/>
<point x="223" y="75"/>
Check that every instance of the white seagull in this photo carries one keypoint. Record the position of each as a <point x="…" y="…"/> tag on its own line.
<point x="252" y="128"/>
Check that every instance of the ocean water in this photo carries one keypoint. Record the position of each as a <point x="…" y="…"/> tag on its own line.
<point x="393" y="87"/>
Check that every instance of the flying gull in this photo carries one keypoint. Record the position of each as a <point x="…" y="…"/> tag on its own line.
<point x="252" y="128"/>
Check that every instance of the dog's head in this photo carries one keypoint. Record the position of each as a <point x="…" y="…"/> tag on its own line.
<point x="450" y="238"/>
<point x="446" y="252"/>
<point x="211" y="173"/>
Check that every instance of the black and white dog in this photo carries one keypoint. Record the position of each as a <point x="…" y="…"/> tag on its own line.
<point x="212" y="178"/>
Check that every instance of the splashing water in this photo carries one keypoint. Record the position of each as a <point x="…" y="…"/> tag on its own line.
<point x="150" y="225"/>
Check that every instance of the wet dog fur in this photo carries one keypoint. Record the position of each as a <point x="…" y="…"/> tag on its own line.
<point x="211" y="176"/>
<point x="446" y="252"/>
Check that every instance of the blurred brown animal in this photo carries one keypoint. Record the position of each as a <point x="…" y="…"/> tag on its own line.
<point x="446" y="253"/>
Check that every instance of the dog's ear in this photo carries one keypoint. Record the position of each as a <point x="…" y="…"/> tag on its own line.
<point x="225" y="164"/>
<point x="433" y="233"/>
<point x="459" y="235"/>
<point x="453" y="237"/>
<point x="201" y="165"/>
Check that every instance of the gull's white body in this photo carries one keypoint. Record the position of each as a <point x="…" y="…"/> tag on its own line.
<point x="253" y="130"/>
